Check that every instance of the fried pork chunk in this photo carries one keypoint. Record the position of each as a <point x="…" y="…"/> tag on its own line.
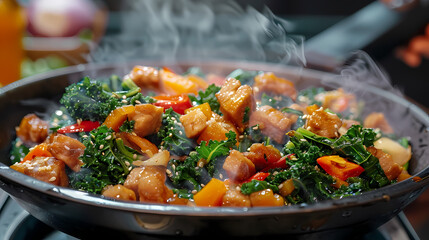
<point x="272" y="122"/>
<point x="32" y="129"/>
<point x="323" y="123"/>
<point x="148" y="119"/>
<point x="47" y="169"/>
<point x="238" y="167"/>
<point x="268" y="82"/>
<point x="235" y="100"/>
<point x="377" y="120"/>
<point x="66" y="149"/>
<point x="148" y="183"/>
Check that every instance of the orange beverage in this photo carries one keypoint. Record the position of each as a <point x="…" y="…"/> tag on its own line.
<point x="12" y="27"/>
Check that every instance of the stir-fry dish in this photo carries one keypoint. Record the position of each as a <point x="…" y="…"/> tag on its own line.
<point x="247" y="139"/>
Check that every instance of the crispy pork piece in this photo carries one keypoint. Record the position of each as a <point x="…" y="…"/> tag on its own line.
<point x="66" y="149"/>
<point x="216" y="129"/>
<point x="148" y="119"/>
<point x="238" y="167"/>
<point x="32" y="129"/>
<point x="235" y="100"/>
<point x="377" y="120"/>
<point x="194" y="123"/>
<point x="390" y="168"/>
<point x="47" y="169"/>
<point x="119" y="192"/>
<point x="323" y="123"/>
<point x="269" y="82"/>
<point x="337" y="100"/>
<point x="145" y="77"/>
<point x="262" y="155"/>
<point x="148" y="183"/>
<point x="234" y="198"/>
<point x="272" y="122"/>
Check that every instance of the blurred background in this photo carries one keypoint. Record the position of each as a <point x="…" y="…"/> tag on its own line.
<point x="42" y="35"/>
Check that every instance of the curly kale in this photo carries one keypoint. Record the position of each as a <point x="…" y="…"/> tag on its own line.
<point x="208" y="96"/>
<point x="190" y="174"/>
<point x="87" y="100"/>
<point x="107" y="161"/>
<point x="172" y="135"/>
<point x="245" y="77"/>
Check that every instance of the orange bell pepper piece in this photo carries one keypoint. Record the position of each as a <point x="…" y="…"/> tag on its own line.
<point x="339" y="167"/>
<point x="145" y="145"/>
<point x="176" y="84"/>
<point x="205" y="108"/>
<point x="118" y="116"/>
<point x="211" y="195"/>
<point x="40" y="150"/>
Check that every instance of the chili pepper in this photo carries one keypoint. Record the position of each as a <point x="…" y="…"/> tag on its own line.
<point x="338" y="167"/>
<point x="179" y="103"/>
<point x="84" y="126"/>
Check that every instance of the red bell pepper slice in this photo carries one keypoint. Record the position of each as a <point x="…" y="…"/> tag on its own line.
<point x="179" y="103"/>
<point x="338" y="167"/>
<point x="84" y="126"/>
<point x="258" y="176"/>
<point x="281" y="163"/>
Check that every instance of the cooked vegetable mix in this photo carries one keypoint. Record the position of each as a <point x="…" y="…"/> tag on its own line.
<point x="250" y="139"/>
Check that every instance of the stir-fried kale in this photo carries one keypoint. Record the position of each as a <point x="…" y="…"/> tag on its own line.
<point x="252" y="134"/>
<point x="171" y="136"/>
<point x="18" y="151"/>
<point x="352" y="145"/>
<point x="245" y="77"/>
<point x="86" y="100"/>
<point x="256" y="186"/>
<point x="208" y="96"/>
<point x="201" y="165"/>
<point x="276" y="101"/>
<point x="308" y="95"/>
<point x="106" y="161"/>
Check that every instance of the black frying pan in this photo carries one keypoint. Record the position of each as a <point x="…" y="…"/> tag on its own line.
<point x="88" y="216"/>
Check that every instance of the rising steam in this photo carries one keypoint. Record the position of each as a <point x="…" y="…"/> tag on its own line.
<point x="199" y="30"/>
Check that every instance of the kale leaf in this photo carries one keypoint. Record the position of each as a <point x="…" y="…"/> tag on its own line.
<point x="87" y="100"/>
<point x="190" y="174"/>
<point x="107" y="161"/>
<point x="208" y="96"/>
<point x="245" y="77"/>
<point x="172" y="135"/>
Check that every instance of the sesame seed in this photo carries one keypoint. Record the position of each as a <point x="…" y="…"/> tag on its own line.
<point x="202" y="185"/>
<point x="124" y="101"/>
<point x="281" y="185"/>
<point x="52" y="179"/>
<point x="135" y="156"/>
<point x="221" y="176"/>
<point x="101" y="146"/>
<point x="180" y="132"/>
<point x="138" y="102"/>
<point x="194" y="191"/>
<point x="168" y="171"/>
<point x="124" y="97"/>
<point x="108" y="137"/>
<point x="238" y="188"/>
<point x="127" y="163"/>
<point x="79" y="121"/>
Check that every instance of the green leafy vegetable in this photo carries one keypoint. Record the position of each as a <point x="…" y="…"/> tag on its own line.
<point x="172" y="135"/>
<point x="190" y="174"/>
<point x="308" y="95"/>
<point x="18" y="151"/>
<point x="107" y="161"/>
<point x="208" y="96"/>
<point x="352" y="145"/>
<point x="256" y="186"/>
<point x="245" y="77"/>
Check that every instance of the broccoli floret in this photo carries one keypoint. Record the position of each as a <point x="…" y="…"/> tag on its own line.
<point x="87" y="100"/>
